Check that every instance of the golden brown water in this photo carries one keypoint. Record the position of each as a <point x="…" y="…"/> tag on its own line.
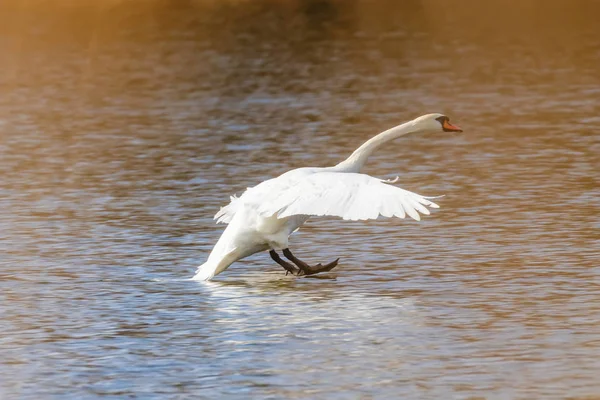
<point x="124" y="125"/>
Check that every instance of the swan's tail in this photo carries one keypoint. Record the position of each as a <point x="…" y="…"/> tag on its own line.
<point x="205" y="272"/>
<point x="214" y="266"/>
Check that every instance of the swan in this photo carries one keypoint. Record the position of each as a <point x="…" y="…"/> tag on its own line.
<point x="265" y="215"/>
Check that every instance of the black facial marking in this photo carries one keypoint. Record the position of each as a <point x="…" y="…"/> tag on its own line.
<point x="442" y="119"/>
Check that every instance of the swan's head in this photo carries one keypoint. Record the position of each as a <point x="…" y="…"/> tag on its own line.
<point x="435" y="123"/>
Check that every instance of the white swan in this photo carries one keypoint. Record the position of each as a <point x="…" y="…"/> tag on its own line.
<point x="264" y="216"/>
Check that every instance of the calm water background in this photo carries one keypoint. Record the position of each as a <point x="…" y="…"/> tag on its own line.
<point x="124" y="125"/>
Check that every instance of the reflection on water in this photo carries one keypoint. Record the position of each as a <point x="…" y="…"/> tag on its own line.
<point x="124" y="125"/>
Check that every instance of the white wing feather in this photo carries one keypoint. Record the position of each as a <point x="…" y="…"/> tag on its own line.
<point x="226" y="213"/>
<point x="351" y="196"/>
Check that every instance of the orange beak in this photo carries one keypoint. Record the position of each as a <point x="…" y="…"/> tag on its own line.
<point x="448" y="127"/>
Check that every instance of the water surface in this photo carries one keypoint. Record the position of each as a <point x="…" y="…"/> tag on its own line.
<point x="125" y="125"/>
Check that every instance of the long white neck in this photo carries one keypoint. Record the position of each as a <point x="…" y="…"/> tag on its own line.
<point x="357" y="160"/>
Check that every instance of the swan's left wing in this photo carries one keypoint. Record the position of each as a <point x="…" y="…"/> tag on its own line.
<point x="226" y="213"/>
<point x="350" y="196"/>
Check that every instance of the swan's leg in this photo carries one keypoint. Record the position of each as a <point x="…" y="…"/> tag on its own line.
<point x="291" y="269"/>
<point x="307" y="269"/>
<point x="301" y="264"/>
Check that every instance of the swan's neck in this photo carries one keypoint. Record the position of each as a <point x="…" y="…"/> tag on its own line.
<point x="357" y="160"/>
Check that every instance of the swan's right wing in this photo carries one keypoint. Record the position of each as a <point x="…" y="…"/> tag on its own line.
<point x="351" y="196"/>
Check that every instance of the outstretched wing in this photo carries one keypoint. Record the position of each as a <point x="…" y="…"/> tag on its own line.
<point x="351" y="196"/>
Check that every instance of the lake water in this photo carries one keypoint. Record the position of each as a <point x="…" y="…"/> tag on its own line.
<point x="125" y="125"/>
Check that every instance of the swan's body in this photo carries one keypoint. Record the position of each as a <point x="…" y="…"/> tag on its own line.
<point x="266" y="215"/>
